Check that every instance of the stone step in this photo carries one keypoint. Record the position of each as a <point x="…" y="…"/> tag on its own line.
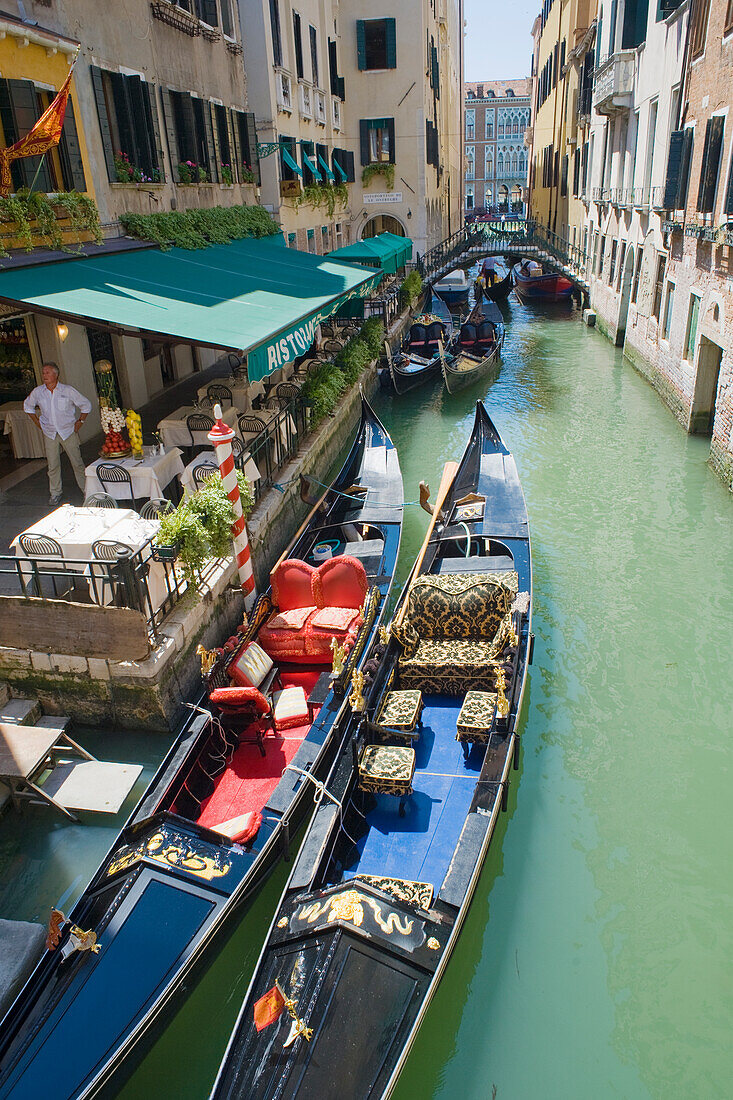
<point x="53" y="722"/>
<point x="21" y="712"/>
<point x="4" y="693"/>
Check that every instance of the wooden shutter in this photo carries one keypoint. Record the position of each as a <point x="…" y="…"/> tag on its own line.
<point x="141" y="124"/>
<point x="434" y="71"/>
<point x="332" y="67"/>
<point x="185" y="126"/>
<point x="347" y="163"/>
<point x="211" y="149"/>
<point x="72" y="166"/>
<point x="564" y="176"/>
<point x="20" y="111"/>
<point x="390" y="131"/>
<point x="360" y="45"/>
<point x="106" y="134"/>
<point x="253" y="158"/>
<point x="238" y="159"/>
<point x="728" y="205"/>
<point x="215" y="139"/>
<point x="233" y="158"/>
<point x="170" y="131"/>
<point x="699" y="17"/>
<point x="674" y="161"/>
<point x="151" y="98"/>
<point x="364" y="140"/>
<point x="710" y="165"/>
<point x="314" y="54"/>
<point x="576" y="173"/>
<point x="298" y="39"/>
<point x="390" y="33"/>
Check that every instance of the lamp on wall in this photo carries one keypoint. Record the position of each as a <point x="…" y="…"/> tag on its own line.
<point x="409" y="213"/>
<point x="63" y="330"/>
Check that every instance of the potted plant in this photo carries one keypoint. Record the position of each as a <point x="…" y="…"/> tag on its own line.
<point x="227" y="177"/>
<point x="186" y="170"/>
<point x="201" y="526"/>
<point x="248" y="175"/>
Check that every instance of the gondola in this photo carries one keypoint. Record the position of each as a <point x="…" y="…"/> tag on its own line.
<point x="418" y="360"/>
<point x="377" y="897"/>
<point x="453" y="288"/>
<point x="497" y="291"/>
<point x="477" y="348"/>
<point x="221" y="811"/>
<point x="533" y="283"/>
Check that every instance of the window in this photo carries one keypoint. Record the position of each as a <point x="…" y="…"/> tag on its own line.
<point x="320" y="107"/>
<point x="345" y="161"/>
<point x="659" y="285"/>
<point x="292" y="240"/>
<point x="283" y="92"/>
<point x="612" y="265"/>
<point x="600" y="256"/>
<point x="668" y="308"/>
<point x="490" y="122"/>
<point x="336" y="81"/>
<point x="728" y="205"/>
<point x="336" y="114"/>
<point x="678" y="169"/>
<point x="288" y="159"/>
<point x="311" y="239"/>
<point x="470" y="164"/>
<point x="298" y="40"/>
<point x="564" y="177"/>
<point x="207" y="13"/>
<point x="699" y="29"/>
<point x="377" y="140"/>
<point x="469" y="198"/>
<point x="245" y="145"/>
<point x="576" y="173"/>
<point x="226" y="18"/>
<point x="308" y="158"/>
<point x="649" y="162"/>
<point x="223" y="139"/>
<point x="488" y="195"/>
<point x="637" y="273"/>
<point x="622" y="258"/>
<point x="314" y="53"/>
<point x="277" y="47"/>
<point x="376" y="44"/>
<point x="488" y="164"/>
<point x="691" y="332"/>
<point x="21" y="105"/>
<point x="190" y="132"/>
<point x="710" y="164"/>
<point x="128" y="120"/>
<point x="470" y="125"/>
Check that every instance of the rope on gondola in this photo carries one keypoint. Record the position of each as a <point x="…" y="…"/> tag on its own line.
<point x="282" y="486"/>
<point x="318" y="794"/>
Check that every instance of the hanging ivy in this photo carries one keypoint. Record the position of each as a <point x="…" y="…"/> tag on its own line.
<point x="385" y="169"/>
<point x="37" y="219"/>
<point x="193" y="229"/>
<point x="328" y="195"/>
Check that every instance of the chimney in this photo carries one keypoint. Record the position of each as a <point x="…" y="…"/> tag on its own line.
<point x="480" y="90"/>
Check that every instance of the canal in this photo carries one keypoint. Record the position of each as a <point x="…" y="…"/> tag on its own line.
<point x="596" y="958"/>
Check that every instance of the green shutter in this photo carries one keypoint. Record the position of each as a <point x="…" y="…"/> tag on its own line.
<point x="253" y="158"/>
<point x="710" y="165"/>
<point x="364" y="140"/>
<point x="674" y="161"/>
<point x="233" y="158"/>
<point x="210" y="146"/>
<point x="106" y="134"/>
<point x="360" y="44"/>
<point x="685" y="167"/>
<point x="236" y="148"/>
<point x="349" y="166"/>
<point x="170" y="131"/>
<point x="215" y="139"/>
<point x="390" y="129"/>
<point x="391" y="37"/>
<point x="152" y="101"/>
<point x="72" y="167"/>
<point x="728" y="205"/>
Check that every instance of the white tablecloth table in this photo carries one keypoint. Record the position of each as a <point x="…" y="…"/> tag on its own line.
<point x="242" y="394"/>
<point x="149" y="475"/>
<point x="174" y="432"/>
<point x="207" y="458"/>
<point x="279" y="437"/>
<point x="77" y="529"/>
<point x="25" y="438"/>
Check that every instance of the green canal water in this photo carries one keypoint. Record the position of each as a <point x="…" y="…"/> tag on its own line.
<point x="596" y="958"/>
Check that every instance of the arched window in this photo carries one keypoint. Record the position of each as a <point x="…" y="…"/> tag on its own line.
<point x="489" y="164"/>
<point x="500" y="165"/>
<point x="469" y="198"/>
<point x="488" y="196"/>
<point x="470" y="172"/>
<point x="515" y="164"/>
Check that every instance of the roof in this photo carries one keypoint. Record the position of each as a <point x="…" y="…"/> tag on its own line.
<point x="521" y="88"/>
<point x="253" y="295"/>
<point x="386" y="250"/>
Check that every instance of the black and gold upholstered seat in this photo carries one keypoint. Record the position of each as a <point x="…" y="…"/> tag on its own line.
<point x="401" y="712"/>
<point x="387" y="769"/>
<point x="476" y="717"/>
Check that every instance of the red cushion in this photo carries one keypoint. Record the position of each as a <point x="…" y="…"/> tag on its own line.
<point x="240" y="829"/>
<point x="336" y="620"/>
<point x="240" y="698"/>
<point x="293" y="619"/>
<point x="282" y="645"/>
<point x="291" y="582"/>
<point x="340" y="582"/>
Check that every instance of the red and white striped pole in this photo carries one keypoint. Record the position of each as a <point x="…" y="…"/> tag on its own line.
<point x="221" y="436"/>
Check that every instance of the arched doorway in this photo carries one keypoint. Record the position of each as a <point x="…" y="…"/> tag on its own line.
<point x="383" y="223"/>
<point x="516" y="198"/>
<point x="626" y="280"/>
<point x="705" y="394"/>
<point x="503" y="198"/>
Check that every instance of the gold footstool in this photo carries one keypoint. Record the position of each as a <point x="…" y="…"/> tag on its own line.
<point x="475" y="719"/>
<point x="401" y="712"/>
<point x="387" y="769"/>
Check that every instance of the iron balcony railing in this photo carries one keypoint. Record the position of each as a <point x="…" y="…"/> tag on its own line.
<point x="279" y="441"/>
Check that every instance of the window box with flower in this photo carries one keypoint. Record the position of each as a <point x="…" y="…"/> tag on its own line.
<point x="127" y="172"/>
<point x="227" y="175"/>
<point x="189" y="172"/>
<point x="246" y="174"/>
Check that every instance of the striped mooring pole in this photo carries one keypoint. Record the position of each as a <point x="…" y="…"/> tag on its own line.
<point x="221" y="436"/>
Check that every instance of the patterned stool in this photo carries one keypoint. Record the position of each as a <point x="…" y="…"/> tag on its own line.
<point x="387" y="769"/>
<point x="401" y="712"/>
<point x="475" y="719"/>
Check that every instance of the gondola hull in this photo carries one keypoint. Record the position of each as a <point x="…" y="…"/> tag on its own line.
<point x="170" y="887"/>
<point x="465" y="366"/>
<point x="407" y="370"/>
<point x="501" y="290"/>
<point x="542" y="288"/>
<point x="376" y="900"/>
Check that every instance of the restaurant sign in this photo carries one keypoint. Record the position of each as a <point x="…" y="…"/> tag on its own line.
<point x="290" y="345"/>
<point x="383" y="196"/>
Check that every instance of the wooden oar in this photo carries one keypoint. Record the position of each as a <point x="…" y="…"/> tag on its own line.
<point x="449" y="472"/>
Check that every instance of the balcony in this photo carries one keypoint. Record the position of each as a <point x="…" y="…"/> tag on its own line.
<point x="613" y="85"/>
<point x="320" y="105"/>
<point x="283" y="92"/>
<point x="306" y="109"/>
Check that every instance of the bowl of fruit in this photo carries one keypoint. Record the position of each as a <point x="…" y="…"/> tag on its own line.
<point x="115" y="444"/>
<point x="135" y="432"/>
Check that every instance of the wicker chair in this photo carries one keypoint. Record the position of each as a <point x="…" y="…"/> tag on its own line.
<point x="203" y="472"/>
<point x="106" y="550"/>
<point x="218" y="393"/>
<point x="100" y="500"/>
<point x="288" y="390"/>
<point x="110" y="473"/>
<point x="249" y="424"/>
<point x="198" y="422"/>
<point x="157" y="507"/>
<point x="43" y="546"/>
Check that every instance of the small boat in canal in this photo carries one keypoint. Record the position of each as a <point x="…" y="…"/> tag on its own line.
<point x="497" y="287"/>
<point x="476" y="349"/>
<point x="385" y="876"/>
<point x="533" y="283"/>
<point x="224" y="805"/>
<point x="418" y="361"/>
<point x="453" y="287"/>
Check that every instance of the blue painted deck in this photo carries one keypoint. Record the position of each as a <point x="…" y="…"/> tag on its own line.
<point x="419" y="846"/>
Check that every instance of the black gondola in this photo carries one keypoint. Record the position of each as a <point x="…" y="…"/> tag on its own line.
<point x="476" y="349"/>
<point x="385" y="876"/>
<point x="496" y="291"/>
<point x="179" y="872"/>
<point x="418" y="361"/>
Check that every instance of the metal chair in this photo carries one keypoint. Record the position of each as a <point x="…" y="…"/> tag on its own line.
<point x="218" y="392"/>
<point x="106" y="550"/>
<point x="109" y="473"/>
<point x="100" y="500"/>
<point x="288" y="390"/>
<point x="42" y="546"/>
<point x="249" y="424"/>
<point x="157" y="507"/>
<point x="198" y="422"/>
<point x="239" y="374"/>
<point x="203" y="472"/>
<point x="238" y="451"/>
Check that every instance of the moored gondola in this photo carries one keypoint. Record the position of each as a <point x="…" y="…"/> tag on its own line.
<point x="477" y="348"/>
<point x="533" y="283"/>
<point x="496" y="289"/>
<point x="384" y="879"/>
<point x="222" y="808"/>
<point x="418" y="360"/>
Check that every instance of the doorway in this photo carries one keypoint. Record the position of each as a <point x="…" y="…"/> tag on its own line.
<point x="704" y="398"/>
<point x="627" y="277"/>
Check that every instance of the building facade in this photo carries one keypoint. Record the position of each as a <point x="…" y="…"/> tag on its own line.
<point x="352" y="102"/>
<point x="496" y="118"/>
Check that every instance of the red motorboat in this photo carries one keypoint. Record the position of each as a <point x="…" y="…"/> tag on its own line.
<point x="533" y="283"/>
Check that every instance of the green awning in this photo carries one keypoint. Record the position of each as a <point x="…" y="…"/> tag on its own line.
<point x="311" y="165"/>
<point x="253" y="295"/>
<point x="290" y="161"/>
<point x="326" y="169"/>
<point x="386" y="251"/>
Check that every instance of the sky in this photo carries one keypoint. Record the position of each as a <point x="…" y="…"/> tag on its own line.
<point x="498" y="38"/>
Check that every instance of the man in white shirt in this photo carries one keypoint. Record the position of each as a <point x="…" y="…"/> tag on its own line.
<point x="60" y="424"/>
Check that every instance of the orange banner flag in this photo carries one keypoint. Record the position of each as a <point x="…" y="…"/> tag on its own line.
<point x="269" y="1007"/>
<point x="45" y="134"/>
